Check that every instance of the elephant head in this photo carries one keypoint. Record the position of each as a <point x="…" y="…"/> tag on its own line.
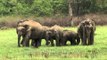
<point x="21" y="31"/>
<point x="49" y="36"/>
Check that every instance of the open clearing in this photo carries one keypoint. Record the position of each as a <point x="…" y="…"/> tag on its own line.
<point x="10" y="51"/>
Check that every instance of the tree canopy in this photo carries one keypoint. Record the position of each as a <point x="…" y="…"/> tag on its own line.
<point x="51" y="7"/>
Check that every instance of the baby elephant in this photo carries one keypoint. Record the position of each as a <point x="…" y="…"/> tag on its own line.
<point x="71" y="36"/>
<point x="54" y="33"/>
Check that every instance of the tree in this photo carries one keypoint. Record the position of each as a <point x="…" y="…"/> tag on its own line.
<point x="70" y="8"/>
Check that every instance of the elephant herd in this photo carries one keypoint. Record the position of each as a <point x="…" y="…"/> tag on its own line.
<point x="31" y="30"/>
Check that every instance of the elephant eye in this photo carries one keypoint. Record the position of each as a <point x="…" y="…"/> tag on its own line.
<point x="26" y="26"/>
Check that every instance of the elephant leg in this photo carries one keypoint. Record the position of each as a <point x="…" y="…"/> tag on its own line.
<point x="19" y="37"/>
<point x="47" y="42"/>
<point x="32" y="42"/>
<point x="61" y="42"/>
<point x="39" y="42"/>
<point x="36" y="43"/>
<point x="26" y="39"/>
<point x="84" y="39"/>
<point x="23" y="40"/>
<point x="52" y="43"/>
<point x="91" y="39"/>
<point x="84" y="42"/>
<point x="57" y="38"/>
<point x="73" y="42"/>
<point x="57" y="43"/>
<point x="78" y="41"/>
<point x="84" y="36"/>
<point x="27" y="42"/>
<point x="65" y="43"/>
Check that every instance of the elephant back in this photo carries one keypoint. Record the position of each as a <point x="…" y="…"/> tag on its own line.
<point x="56" y="28"/>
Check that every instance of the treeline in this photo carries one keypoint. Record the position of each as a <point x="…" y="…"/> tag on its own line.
<point x="35" y="7"/>
<point x="80" y="7"/>
<point x="51" y="7"/>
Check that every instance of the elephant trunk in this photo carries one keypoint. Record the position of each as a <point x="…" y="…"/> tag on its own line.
<point x="47" y="39"/>
<point x="84" y="36"/>
<point x="19" y="37"/>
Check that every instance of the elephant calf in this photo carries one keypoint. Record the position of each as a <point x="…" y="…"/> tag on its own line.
<point x="70" y="36"/>
<point x="54" y="33"/>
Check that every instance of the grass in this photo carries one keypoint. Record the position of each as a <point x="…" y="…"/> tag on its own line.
<point x="10" y="51"/>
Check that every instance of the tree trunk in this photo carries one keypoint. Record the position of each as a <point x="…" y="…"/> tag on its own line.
<point x="70" y="8"/>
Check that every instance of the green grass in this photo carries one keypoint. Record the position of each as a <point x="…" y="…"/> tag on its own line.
<point x="10" y="51"/>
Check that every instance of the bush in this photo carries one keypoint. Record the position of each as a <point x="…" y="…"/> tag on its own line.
<point x="10" y="21"/>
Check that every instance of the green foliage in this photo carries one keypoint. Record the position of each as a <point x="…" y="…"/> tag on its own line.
<point x="10" y="51"/>
<point x="88" y="6"/>
<point x="41" y="8"/>
<point x="35" y="7"/>
<point x="48" y="7"/>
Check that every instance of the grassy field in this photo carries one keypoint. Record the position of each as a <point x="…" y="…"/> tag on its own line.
<point x="10" y="51"/>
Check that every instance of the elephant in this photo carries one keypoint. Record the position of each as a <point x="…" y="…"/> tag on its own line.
<point x="29" y="29"/>
<point x="37" y="37"/>
<point x="54" y="33"/>
<point x="36" y="33"/>
<point x="86" y="30"/>
<point x="41" y="35"/>
<point x="50" y="36"/>
<point x="71" y="36"/>
<point x="45" y="28"/>
<point x="21" y="32"/>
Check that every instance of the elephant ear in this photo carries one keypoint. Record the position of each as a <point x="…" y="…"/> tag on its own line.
<point x="27" y="27"/>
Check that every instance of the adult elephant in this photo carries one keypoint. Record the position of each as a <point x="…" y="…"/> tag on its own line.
<point x="21" y="32"/>
<point x="29" y="29"/>
<point x="86" y="31"/>
<point x="54" y="33"/>
<point x="40" y="35"/>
